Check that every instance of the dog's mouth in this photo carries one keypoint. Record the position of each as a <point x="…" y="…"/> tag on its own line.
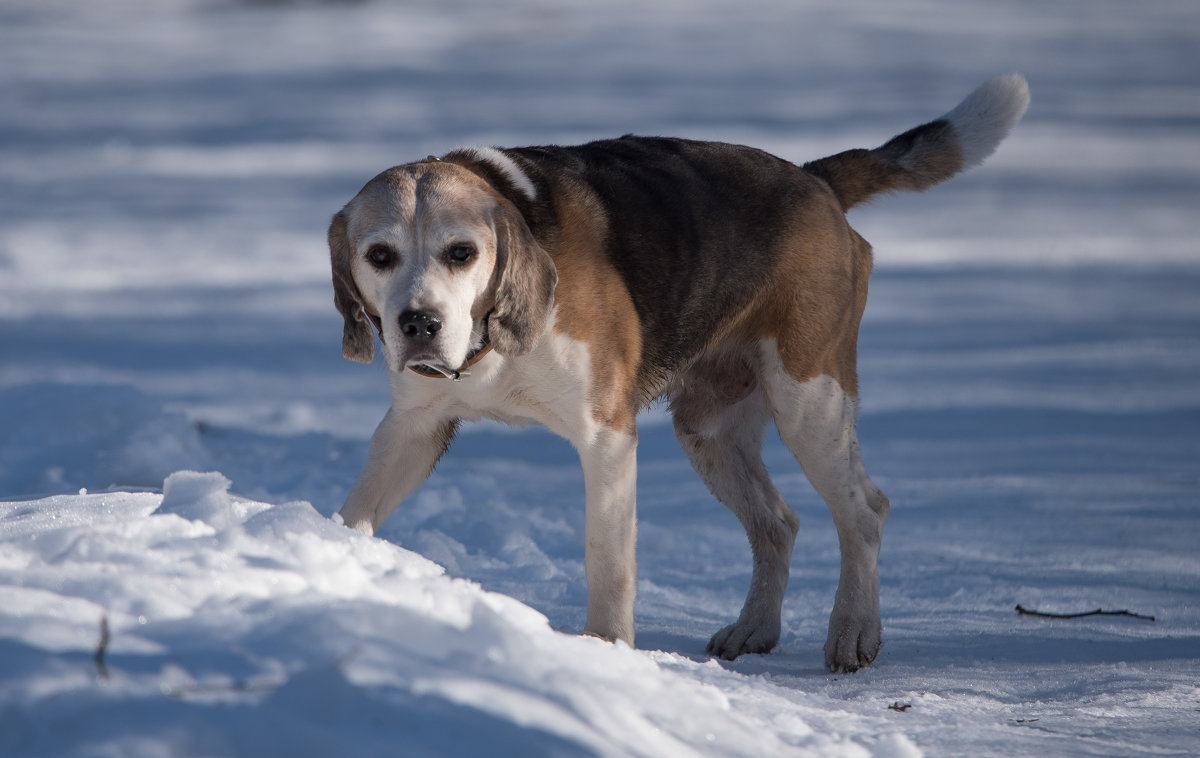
<point x="428" y="364"/>
<point x="427" y="359"/>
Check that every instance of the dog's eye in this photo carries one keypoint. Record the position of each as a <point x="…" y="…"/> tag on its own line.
<point x="460" y="253"/>
<point x="381" y="256"/>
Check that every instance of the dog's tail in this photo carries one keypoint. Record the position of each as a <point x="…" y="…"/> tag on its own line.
<point x="929" y="154"/>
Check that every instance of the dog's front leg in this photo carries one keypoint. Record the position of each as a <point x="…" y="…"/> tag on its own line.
<point x="403" y="452"/>
<point x="610" y="480"/>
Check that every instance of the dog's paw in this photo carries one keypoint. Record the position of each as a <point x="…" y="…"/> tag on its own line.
<point x="852" y="646"/>
<point x="743" y="637"/>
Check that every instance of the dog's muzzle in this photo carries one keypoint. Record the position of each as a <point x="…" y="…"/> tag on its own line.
<point x="421" y="328"/>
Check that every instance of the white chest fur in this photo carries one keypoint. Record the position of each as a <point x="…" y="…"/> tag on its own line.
<point x="547" y="386"/>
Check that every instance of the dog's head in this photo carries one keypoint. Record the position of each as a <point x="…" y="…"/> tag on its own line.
<point x="442" y="263"/>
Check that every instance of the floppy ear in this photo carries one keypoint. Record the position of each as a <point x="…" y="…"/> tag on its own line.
<point x="525" y="292"/>
<point x="358" y="342"/>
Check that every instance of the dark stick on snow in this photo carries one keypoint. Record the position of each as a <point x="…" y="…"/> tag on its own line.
<point x="102" y="649"/>
<point x="1098" y="612"/>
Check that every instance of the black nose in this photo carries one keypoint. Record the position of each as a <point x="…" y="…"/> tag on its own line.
<point x="420" y="327"/>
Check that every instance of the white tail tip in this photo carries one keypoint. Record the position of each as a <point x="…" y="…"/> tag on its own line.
<point x="987" y="115"/>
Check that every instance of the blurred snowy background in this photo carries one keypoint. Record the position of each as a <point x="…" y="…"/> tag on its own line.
<point x="1030" y="361"/>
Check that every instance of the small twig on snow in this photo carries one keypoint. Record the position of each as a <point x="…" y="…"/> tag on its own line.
<point x="223" y="688"/>
<point x="102" y="649"/>
<point x="1098" y="612"/>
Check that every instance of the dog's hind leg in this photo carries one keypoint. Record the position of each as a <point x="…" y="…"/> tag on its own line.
<point x="719" y="420"/>
<point x="816" y="419"/>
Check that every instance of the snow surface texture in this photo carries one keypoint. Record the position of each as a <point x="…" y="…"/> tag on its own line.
<point x="1030" y="380"/>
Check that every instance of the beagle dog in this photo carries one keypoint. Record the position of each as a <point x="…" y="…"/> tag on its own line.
<point x="571" y="286"/>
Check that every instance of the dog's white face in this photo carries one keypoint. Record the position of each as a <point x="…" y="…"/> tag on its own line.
<point x="423" y="250"/>
<point x="442" y="262"/>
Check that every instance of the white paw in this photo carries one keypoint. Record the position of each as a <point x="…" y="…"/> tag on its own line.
<point x="852" y="644"/>
<point x="358" y="524"/>
<point x="743" y="637"/>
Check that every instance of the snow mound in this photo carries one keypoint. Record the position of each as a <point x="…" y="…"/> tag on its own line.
<point x="197" y="622"/>
<point x="202" y="497"/>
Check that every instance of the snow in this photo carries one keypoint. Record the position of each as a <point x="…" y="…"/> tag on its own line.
<point x="177" y="427"/>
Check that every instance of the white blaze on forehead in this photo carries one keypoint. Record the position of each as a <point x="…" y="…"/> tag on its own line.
<point x="395" y="209"/>
<point x="508" y="167"/>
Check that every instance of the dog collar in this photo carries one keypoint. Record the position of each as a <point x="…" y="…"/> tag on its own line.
<point x="432" y="371"/>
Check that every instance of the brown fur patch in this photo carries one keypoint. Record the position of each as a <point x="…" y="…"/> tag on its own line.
<point x="594" y="306"/>
<point x="817" y="297"/>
